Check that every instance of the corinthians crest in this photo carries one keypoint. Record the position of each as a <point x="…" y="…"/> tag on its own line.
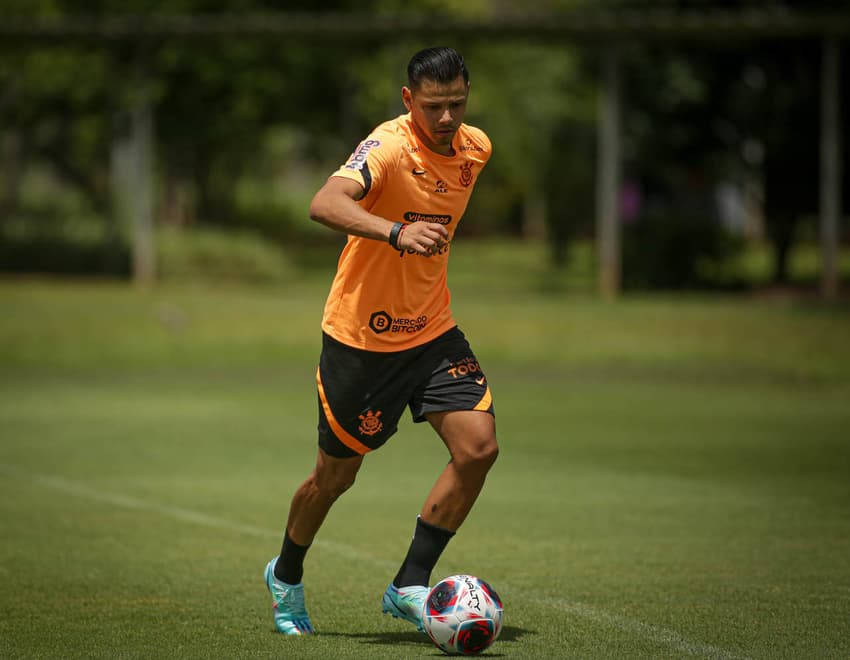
<point x="466" y="174"/>
<point x="370" y="424"/>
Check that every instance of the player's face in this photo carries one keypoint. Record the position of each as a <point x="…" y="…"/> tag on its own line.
<point x="437" y="110"/>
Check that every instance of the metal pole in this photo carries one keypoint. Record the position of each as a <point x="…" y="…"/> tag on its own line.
<point x="608" y="177"/>
<point x="132" y="183"/>
<point x="830" y="166"/>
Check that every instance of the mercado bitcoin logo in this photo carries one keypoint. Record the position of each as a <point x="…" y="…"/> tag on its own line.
<point x="380" y="322"/>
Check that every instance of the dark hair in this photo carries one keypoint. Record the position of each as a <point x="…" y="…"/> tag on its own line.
<point x="441" y="64"/>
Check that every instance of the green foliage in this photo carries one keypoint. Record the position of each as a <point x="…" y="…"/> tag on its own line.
<point x="221" y="105"/>
<point x="677" y="252"/>
<point x="216" y="255"/>
<point x="508" y="96"/>
<point x="273" y="199"/>
<point x="67" y="245"/>
<point x="86" y="246"/>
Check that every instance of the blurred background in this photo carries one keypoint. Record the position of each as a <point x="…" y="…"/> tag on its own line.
<point x="683" y="448"/>
<point x="654" y="145"/>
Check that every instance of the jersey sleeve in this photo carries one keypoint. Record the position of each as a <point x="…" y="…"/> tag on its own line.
<point x="482" y="142"/>
<point x="373" y="159"/>
<point x="481" y="137"/>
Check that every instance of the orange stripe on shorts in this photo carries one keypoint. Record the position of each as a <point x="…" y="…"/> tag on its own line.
<point x="344" y="436"/>
<point x="485" y="402"/>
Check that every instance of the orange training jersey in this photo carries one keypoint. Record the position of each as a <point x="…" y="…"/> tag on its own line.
<point x="383" y="299"/>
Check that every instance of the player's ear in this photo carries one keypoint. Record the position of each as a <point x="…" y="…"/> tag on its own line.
<point x="407" y="98"/>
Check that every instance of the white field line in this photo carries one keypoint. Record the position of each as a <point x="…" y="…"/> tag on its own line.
<point x="655" y="634"/>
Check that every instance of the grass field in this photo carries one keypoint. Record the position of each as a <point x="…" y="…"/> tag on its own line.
<point x="674" y="478"/>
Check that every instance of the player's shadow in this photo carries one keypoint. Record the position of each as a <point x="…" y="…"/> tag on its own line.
<point x="411" y="638"/>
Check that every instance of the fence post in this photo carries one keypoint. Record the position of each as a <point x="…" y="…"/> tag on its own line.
<point x="132" y="182"/>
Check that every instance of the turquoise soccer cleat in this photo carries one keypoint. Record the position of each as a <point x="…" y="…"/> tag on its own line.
<point x="406" y="603"/>
<point x="290" y="615"/>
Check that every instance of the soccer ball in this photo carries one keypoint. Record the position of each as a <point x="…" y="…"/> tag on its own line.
<point x="462" y="615"/>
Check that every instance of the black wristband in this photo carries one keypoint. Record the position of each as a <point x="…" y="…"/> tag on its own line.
<point x="394" y="232"/>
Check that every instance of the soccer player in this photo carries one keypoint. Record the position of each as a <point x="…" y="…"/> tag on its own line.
<point x="389" y="340"/>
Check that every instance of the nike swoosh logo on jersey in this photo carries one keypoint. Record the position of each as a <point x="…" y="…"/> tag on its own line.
<point x="480" y="381"/>
<point x="417" y="172"/>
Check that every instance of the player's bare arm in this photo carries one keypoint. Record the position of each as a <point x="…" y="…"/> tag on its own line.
<point x="335" y="206"/>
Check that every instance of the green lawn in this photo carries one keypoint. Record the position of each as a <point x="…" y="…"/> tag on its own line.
<point x="674" y="478"/>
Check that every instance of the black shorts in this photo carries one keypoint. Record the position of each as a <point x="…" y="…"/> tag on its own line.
<point x="362" y="394"/>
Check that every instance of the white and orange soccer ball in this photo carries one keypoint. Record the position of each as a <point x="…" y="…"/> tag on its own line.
<point x="463" y="615"/>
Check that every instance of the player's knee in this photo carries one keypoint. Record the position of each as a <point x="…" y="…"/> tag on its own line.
<point x="331" y="486"/>
<point x="489" y="452"/>
<point x="479" y="455"/>
<point x="340" y="484"/>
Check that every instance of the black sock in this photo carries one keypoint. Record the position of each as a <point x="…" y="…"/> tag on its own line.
<point x="427" y="545"/>
<point x="289" y="567"/>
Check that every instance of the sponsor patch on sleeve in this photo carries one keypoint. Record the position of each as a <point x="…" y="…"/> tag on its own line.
<point x="358" y="158"/>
